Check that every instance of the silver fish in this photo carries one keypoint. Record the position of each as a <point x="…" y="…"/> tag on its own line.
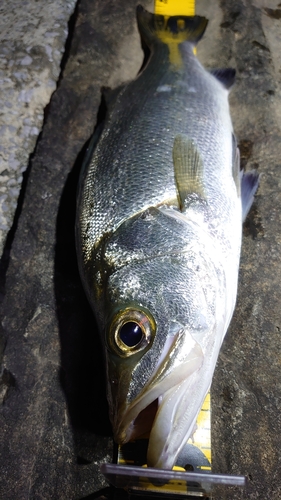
<point x="159" y="221"/>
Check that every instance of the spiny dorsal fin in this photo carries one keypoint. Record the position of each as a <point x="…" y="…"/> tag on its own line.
<point x="110" y="95"/>
<point x="188" y="169"/>
<point x="249" y="186"/>
<point x="226" y="76"/>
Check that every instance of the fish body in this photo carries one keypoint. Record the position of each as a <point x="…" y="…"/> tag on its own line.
<point x="159" y="220"/>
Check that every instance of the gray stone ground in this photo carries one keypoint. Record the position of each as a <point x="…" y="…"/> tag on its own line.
<point x="32" y="40"/>
<point x="53" y="415"/>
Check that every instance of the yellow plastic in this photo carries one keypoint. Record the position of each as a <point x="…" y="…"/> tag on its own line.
<point x="174" y="7"/>
<point x="202" y="436"/>
<point x="169" y="8"/>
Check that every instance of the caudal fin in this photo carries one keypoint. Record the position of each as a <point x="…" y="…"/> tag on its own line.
<point x="155" y="28"/>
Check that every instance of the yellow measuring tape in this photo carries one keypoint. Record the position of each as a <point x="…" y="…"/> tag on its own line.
<point x="174" y="7"/>
<point x="202" y="435"/>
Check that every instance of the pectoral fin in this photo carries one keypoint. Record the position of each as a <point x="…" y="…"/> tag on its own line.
<point x="188" y="169"/>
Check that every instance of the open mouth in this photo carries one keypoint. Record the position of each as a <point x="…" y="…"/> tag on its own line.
<point x="167" y="422"/>
<point x="158" y="409"/>
<point x="142" y="425"/>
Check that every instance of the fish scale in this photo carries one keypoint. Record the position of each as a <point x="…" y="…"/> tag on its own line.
<point x="141" y="142"/>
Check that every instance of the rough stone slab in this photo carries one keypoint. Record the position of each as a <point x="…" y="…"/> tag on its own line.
<point x="32" y="40"/>
<point x="53" y="418"/>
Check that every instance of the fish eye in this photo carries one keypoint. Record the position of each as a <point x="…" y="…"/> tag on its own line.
<point x="131" y="331"/>
<point x="131" y="334"/>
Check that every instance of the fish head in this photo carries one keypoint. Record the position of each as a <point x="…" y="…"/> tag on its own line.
<point x="158" y="318"/>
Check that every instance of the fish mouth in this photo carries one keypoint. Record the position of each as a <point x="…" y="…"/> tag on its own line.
<point x="162" y="409"/>
<point x="141" y="426"/>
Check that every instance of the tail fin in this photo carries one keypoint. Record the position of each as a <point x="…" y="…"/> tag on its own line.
<point x="160" y="29"/>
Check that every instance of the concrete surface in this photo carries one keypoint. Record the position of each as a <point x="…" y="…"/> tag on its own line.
<point x="53" y="417"/>
<point x="32" y="42"/>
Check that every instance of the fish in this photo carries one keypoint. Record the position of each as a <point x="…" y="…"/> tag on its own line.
<point x="160" y="206"/>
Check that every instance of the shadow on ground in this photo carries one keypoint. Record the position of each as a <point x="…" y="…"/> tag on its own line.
<point x="82" y="371"/>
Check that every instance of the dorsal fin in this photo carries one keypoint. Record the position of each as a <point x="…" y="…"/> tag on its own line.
<point x="249" y="186"/>
<point x="226" y="76"/>
<point x="110" y="95"/>
<point x="246" y="183"/>
<point x="188" y="169"/>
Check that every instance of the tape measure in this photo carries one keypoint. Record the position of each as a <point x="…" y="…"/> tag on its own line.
<point x="202" y="435"/>
<point x="174" y="7"/>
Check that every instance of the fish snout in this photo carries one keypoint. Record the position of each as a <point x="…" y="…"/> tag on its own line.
<point x="153" y="407"/>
